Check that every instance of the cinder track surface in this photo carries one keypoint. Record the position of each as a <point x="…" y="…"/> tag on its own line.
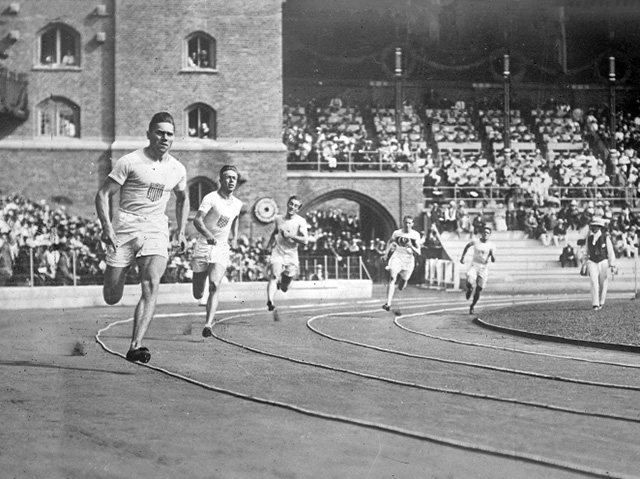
<point x="332" y="390"/>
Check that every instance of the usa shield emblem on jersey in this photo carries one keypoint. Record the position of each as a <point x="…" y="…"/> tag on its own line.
<point x="222" y="221"/>
<point x="155" y="191"/>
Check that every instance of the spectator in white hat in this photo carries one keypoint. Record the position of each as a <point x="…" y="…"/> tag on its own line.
<point x="600" y="258"/>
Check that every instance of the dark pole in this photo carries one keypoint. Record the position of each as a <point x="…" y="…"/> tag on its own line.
<point x="612" y="102"/>
<point x="507" y="106"/>
<point x="398" y="87"/>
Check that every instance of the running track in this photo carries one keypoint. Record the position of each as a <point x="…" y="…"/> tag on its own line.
<point x="427" y="377"/>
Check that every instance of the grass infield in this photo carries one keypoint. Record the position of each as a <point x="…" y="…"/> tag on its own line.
<point x="618" y="322"/>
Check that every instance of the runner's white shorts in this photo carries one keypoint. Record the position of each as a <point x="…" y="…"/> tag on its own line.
<point x="205" y="254"/>
<point x="400" y="266"/>
<point x="136" y="236"/>
<point x="478" y="274"/>
<point x="279" y="264"/>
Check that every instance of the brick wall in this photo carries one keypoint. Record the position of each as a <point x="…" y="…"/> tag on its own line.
<point x="43" y="175"/>
<point x="137" y="71"/>
<point x="246" y="89"/>
<point x="90" y="85"/>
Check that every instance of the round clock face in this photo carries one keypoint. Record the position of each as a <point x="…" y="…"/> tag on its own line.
<point x="265" y="210"/>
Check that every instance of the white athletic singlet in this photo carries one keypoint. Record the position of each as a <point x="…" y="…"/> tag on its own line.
<point x="219" y="214"/>
<point x="481" y="252"/>
<point x="286" y="250"/>
<point x="146" y="184"/>
<point x="403" y="251"/>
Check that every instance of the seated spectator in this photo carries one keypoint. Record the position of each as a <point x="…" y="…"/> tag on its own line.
<point x="568" y="256"/>
<point x="560" y="232"/>
<point x="479" y="222"/>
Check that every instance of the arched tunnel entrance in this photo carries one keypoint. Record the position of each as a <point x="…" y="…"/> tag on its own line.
<point x="374" y="219"/>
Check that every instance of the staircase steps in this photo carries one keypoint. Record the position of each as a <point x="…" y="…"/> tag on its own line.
<point x="526" y="265"/>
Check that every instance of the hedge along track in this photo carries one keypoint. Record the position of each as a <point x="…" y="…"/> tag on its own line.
<point x="470" y="446"/>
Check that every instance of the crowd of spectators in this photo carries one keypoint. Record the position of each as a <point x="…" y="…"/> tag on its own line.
<point x="550" y="224"/>
<point x="44" y="245"/>
<point x="452" y="124"/>
<point x="492" y="122"/>
<point x="334" y="137"/>
<point x="558" y="125"/>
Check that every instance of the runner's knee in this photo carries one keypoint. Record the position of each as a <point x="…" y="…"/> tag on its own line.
<point x="112" y="295"/>
<point x="197" y="286"/>
<point x="285" y="281"/>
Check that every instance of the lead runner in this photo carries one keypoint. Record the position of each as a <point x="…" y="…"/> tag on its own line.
<point x="139" y="231"/>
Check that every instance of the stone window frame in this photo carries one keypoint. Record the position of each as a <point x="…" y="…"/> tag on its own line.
<point x="196" y="42"/>
<point x="196" y="115"/>
<point x="57" y="117"/>
<point x="58" y="39"/>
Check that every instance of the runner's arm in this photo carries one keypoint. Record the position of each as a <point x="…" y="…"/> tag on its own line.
<point x="198" y="222"/>
<point x="301" y="238"/>
<point x="182" y="214"/>
<point x="464" y="252"/>
<point x="272" y="239"/>
<point x="234" y="228"/>
<point x="109" y="188"/>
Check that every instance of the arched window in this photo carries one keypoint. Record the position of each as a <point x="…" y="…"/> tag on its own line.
<point x="58" y="117"/>
<point x="201" y="121"/>
<point x="201" y="51"/>
<point x="59" y="47"/>
<point x="198" y="188"/>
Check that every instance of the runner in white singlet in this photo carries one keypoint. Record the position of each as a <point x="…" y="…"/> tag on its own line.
<point x="478" y="272"/>
<point x="217" y="215"/>
<point x="403" y="245"/>
<point x="139" y="230"/>
<point x="290" y="230"/>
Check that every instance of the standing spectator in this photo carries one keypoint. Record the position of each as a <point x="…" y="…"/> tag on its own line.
<point x="450" y="217"/>
<point x="600" y="258"/>
<point x="462" y="219"/>
<point x="6" y="257"/>
<point x="63" y="264"/>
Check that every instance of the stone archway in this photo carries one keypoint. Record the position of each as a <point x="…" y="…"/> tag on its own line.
<point x="375" y="220"/>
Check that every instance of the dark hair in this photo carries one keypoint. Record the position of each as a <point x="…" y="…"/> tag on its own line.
<point x="161" y="117"/>
<point x="294" y="197"/>
<point x="228" y="168"/>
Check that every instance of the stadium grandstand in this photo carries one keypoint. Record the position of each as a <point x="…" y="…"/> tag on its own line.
<point x="525" y="115"/>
